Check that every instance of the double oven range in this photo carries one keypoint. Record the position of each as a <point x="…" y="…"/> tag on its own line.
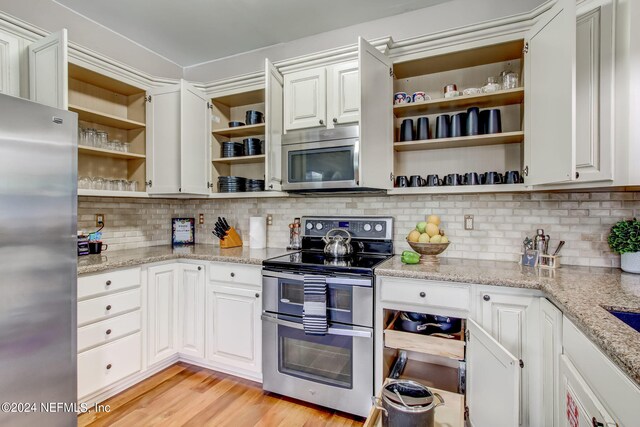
<point x="335" y="369"/>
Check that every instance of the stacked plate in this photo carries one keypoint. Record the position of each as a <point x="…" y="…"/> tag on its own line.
<point x="252" y="146"/>
<point x="231" y="149"/>
<point x="255" y="185"/>
<point x="231" y="184"/>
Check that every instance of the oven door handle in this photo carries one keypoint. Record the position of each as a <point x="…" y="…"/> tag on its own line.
<point x="329" y="280"/>
<point x="359" y="333"/>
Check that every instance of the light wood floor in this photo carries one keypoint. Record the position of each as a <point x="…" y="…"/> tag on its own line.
<point x="186" y="395"/>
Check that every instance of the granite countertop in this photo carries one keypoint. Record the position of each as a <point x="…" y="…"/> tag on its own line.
<point x="131" y="257"/>
<point x="582" y="293"/>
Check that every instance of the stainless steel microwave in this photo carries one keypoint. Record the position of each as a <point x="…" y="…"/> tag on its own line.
<point x="321" y="159"/>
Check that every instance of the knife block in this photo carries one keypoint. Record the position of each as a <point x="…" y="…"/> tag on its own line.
<point x="231" y="240"/>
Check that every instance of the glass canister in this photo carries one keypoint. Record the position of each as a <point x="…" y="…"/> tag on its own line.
<point x="491" y="86"/>
<point x="510" y="80"/>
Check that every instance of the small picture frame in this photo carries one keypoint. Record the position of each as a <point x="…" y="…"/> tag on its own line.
<point x="183" y="231"/>
<point x="530" y="259"/>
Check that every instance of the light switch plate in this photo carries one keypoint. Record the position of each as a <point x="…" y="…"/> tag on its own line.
<point x="468" y="222"/>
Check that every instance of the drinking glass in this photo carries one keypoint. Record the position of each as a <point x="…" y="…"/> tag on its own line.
<point x="510" y="80"/>
<point x="90" y="137"/>
<point x="102" y="139"/>
<point x="84" y="182"/>
<point x="133" y="185"/>
<point x="81" y="137"/>
<point x="491" y="86"/>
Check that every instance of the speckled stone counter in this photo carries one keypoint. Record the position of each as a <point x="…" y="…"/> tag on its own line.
<point x="132" y="257"/>
<point x="581" y="293"/>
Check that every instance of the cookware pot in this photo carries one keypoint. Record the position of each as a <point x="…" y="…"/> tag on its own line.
<point x="406" y="403"/>
<point x="422" y="325"/>
<point x="336" y="246"/>
<point x="447" y="324"/>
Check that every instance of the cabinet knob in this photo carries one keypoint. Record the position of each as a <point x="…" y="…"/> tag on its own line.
<point x="108" y="282"/>
<point x="108" y="332"/>
<point x="257" y="295"/>
<point x="109" y="366"/>
<point x="335" y="120"/>
<point x="577" y="175"/>
<point x="321" y="121"/>
<point x="271" y="186"/>
<point x="199" y="268"/>
<point x="422" y="294"/>
<point x="486" y="298"/>
<point x="109" y="307"/>
<point x="596" y="423"/>
<point x="233" y="274"/>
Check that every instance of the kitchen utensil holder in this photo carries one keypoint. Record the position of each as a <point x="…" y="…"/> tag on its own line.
<point x="231" y="240"/>
<point x="545" y="261"/>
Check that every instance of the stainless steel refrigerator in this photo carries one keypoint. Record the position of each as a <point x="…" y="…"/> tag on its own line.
<point x="38" y="262"/>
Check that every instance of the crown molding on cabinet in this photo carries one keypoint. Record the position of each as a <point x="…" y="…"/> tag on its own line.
<point x="233" y="85"/>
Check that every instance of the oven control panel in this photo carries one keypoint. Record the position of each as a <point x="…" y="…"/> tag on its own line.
<point x="359" y="227"/>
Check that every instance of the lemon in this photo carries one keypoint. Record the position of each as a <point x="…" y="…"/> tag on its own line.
<point x="424" y="238"/>
<point x="414" y="236"/>
<point x="432" y="229"/>
<point x="444" y="239"/>
<point x="433" y="219"/>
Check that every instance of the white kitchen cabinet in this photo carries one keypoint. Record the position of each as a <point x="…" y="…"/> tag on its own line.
<point x="234" y="327"/>
<point x="305" y="99"/>
<point x="9" y="64"/>
<point x="550" y="351"/>
<point x="274" y="93"/>
<point x="343" y="94"/>
<point x="191" y="303"/>
<point x="579" y="406"/>
<point x="162" y="325"/>
<point x="48" y="70"/>
<point x="178" y="140"/>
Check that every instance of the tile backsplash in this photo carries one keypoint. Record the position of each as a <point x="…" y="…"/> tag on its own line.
<point x="501" y="221"/>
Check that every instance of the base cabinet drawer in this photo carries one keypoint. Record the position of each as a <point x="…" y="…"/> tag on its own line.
<point x="104" y="365"/>
<point x="107" y="306"/>
<point x="426" y="293"/>
<point x="99" y="284"/>
<point x="236" y="273"/>
<point x="108" y="330"/>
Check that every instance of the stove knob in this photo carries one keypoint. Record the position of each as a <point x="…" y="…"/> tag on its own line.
<point x="309" y="226"/>
<point x="319" y="226"/>
<point x="378" y="227"/>
<point x="367" y="227"/>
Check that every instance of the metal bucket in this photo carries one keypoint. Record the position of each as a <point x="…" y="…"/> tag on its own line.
<point x="406" y="403"/>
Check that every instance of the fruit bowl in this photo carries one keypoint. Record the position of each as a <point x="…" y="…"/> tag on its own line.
<point x="428" y="251"/>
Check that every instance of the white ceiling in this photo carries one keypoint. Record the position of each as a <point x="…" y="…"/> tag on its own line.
<point x="190" y="32"/>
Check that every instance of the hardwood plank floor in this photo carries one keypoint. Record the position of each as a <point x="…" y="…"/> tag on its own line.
<point x="187" y="395"/>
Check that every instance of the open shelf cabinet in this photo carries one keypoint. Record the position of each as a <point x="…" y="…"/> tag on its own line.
<point x="107" y="104"/>
<point x="469" y="68"/>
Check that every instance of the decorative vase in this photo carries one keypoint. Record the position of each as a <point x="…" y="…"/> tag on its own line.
<point x="630" y="262"/>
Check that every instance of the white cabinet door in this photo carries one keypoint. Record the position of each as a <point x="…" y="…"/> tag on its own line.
<point x="235" y="337"/>
<point x="163" y="140"/>
<point x="594" y="91"/>
<point x="162" y="327"/>
<point x="550" y="71"/>
<point x="9" y="64"/>
<point x="305" y="97"/>
<point x="191" y="296"/>
<point x="274" y="83"/>
<point x="195" y="141"/>
<point x="376" y="117"/>
<point x="551" y="349"/>
<point x="343" y="94"/>
<point x="512" y="320"/>
<point x="48" y="70"/>
<point x="579" y="406"/>
<point x="493" y="381"/>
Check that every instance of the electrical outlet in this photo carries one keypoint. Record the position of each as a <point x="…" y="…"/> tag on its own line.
<point x="201" y="219"/>
<point x="99" y="220"/>
<point x="468" y="222"/>
<point x="269" y="219"/>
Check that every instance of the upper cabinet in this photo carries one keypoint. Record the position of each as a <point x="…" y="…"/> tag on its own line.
<point x="9" y="64"/>
<point x="178" y="119"/>
<point x="343" y="93"/>
<point x="48" y="70"/>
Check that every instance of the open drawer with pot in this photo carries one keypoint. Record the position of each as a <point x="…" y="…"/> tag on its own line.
<point x="457" y="360"/>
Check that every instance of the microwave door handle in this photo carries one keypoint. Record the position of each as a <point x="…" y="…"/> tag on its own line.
<point x="330" y="331"/>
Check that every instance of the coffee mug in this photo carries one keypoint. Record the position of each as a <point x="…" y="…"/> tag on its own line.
<point x="512" y="177"/>
<point x="402" y="181"/>
<point x="416" y="181"/>
<point x="452" y="179"/>
<point x="420" y="96"/>
<point x="484" y="121"/>
<point x="494" y="123"/>
<point x="491" y="178"/>
<point x="97" y="247"/>
<point x="433" y="181"/>
<point x="406" y="130"/>
<point x="401" y="98"/>
<point x="422" y="128"/>
<point x="471" y="178"/>
<point x="442" y="126"/>
<point x="473" y="121"/>
<point x="458" y="125"/>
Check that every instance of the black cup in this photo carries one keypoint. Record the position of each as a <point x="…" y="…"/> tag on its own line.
<point x="494" y="123"/>
<point x="422" y="129"/>
<point x="443" y="126"/>
<point x="512" y="177"/>
<point x="471" y="178"/>
<point x="402" y="181"/>
<point x="473" y="121"/>
<point x="406" y="130"/>
<point x="458" y="125"/>
<point x="453" y="179"/>
<point x="433" y="181"/>
<point x="484" y="121"/>
<point x="416" y="181"/>
<point x="97" y="247"/>
<point x="491" y="178"/>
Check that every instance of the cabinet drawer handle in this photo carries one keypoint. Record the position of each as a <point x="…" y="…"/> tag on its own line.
<point x="109" y="307"/>
<point x="422" y="294"/>
<point x="108" y="282"/>
<point x="108" y="331"/>
<point x="486" y="298"/>
<point x="233" y="274"/>
<point x="109" y="366"/>
<point x="321" y="121"/>
<point x="257" y="295"/>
